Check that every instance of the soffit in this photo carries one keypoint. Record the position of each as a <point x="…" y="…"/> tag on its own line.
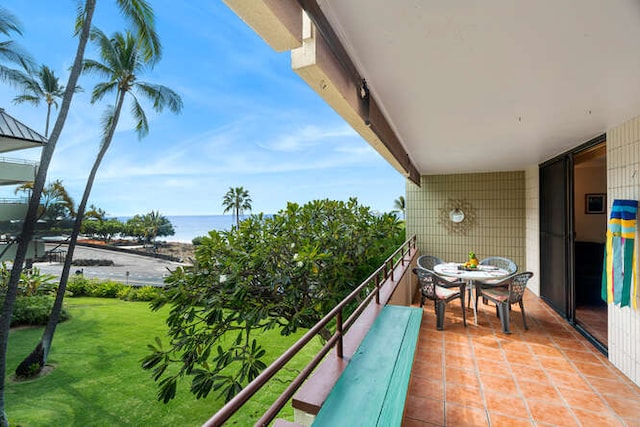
<point x="500" y="85"/>
<point x="15" y="135"/>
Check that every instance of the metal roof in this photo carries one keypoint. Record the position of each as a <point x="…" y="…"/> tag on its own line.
<point x="15" y="135"/>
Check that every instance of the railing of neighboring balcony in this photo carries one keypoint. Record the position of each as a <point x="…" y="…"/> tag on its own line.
<point x="371" y="286"/>
<point x="18" y="161"/>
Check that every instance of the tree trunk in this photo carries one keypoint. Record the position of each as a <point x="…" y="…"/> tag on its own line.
<point x="32" y="211"/>
<point x="54" y="317"/>
<point x="46" y="126"/>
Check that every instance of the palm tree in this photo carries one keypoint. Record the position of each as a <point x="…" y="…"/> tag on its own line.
<point x="55" y="200"/>
<point x="236" y="200"/>
<point x="400" y="204"/>
<point x="10" y="51"/>
<point x="140" y="14"/>
<point x="122" y="62"/>
<point x="44" y="86"/>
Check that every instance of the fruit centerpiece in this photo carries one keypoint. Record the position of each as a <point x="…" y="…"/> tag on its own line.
<point x="473" y="261"/>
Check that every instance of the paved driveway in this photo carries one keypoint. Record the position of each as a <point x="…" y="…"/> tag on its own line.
<point x="128" y="268"/>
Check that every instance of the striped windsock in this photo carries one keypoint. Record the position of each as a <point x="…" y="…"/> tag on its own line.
<point x="619" y="285"/>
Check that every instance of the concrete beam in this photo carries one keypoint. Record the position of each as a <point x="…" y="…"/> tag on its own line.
<point x="278" y="22"/>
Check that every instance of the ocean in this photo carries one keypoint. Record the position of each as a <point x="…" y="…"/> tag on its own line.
<point x="189" y="226"/>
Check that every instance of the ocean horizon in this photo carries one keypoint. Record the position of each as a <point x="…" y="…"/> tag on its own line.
<point x="187" y="227"/>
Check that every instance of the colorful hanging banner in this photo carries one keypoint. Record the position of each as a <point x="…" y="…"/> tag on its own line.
<point x="619" y="284"/>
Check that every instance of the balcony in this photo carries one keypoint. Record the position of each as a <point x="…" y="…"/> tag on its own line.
<point x="478" y="376"/>
<point x="547" y="375"/>
<point x="16" y="171"/>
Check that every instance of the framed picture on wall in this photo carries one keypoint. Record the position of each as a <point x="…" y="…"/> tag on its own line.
<point x="595" y="203"/>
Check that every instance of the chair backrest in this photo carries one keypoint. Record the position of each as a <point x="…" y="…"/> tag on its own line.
<point x="500" y="262"/>
<point x="517" y="285"/>
<point x="429" y="261"/>
<point x="428" y="281"/>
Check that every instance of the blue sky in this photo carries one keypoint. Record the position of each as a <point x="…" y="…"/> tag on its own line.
<point x="248" y="120"/>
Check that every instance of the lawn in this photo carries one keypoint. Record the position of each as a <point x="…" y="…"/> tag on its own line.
<point x="97" y="380"/>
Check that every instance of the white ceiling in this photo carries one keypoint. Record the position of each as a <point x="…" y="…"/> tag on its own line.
<point x="493" y="85"/>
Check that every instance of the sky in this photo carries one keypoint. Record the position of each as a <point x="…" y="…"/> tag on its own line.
<point x="248" y="120"/>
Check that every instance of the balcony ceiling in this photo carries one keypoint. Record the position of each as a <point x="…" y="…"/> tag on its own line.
<point x="497" y="85"/>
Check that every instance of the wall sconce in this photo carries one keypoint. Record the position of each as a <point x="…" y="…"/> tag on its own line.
<point x="457" y="216"/>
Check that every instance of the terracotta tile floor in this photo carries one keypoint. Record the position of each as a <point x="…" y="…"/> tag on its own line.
<point x="546" y="376"/>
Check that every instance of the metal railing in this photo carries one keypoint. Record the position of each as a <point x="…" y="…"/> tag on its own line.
<point x="377" y="278"/>
<point x="17" y="161"/>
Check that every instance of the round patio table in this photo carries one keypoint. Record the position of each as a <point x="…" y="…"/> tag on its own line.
<point x="483" y="272"/>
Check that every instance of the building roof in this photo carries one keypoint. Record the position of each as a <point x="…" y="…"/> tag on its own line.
<point x="15" y="135"/>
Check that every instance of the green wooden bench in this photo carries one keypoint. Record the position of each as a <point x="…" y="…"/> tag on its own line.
<point x="373" y="387"/>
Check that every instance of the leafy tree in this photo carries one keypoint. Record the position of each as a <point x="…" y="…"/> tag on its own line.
<point x="95" y="212"/>
<point x="149" y="226"/>
<point x="10" y="51"/>
<point x="399" y="204"/>
<point x="236" y="200"/>
<point x="140" y="14"/>
<point x="102" y="229"/>
<point x="44" y="86"/>
<point x="284" y="271"/>
<point x="55" y="200"/>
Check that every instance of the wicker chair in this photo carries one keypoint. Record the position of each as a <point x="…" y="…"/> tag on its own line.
<point x="429" y="261"/>
<point x="496" y="261"/>
<point x="504" y="297"/>
<point x="440" y="291"/>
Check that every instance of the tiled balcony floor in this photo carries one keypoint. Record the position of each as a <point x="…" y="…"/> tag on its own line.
<point x="546" y="376"/>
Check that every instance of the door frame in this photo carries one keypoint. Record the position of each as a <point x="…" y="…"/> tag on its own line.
<point x="569" y="279"/>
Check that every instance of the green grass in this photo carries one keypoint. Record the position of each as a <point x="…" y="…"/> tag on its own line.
<point x="97" y="380"/>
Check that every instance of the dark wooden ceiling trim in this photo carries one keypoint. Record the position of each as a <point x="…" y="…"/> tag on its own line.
<point x="368" y="109"/>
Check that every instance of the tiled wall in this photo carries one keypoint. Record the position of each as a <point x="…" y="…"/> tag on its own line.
<point x="532" y="225"/>
<point x="498" y="200"/>
<point x="623" y="182"/>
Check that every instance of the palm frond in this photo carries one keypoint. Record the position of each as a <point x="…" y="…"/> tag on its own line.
<point x="142" y="125"/>
<point x="11" y="76"/>
<point x="140" y="14"/>
<point x="11" y="51"/>
<point x="107" y="121"/>
<point x="9" y="23"/>
<point x="33" y="100"/>
<point x="95" y="67"/>
<point x="102" y="89"/>
<point x="81" y="14"/>
<point x="161" y="96"/>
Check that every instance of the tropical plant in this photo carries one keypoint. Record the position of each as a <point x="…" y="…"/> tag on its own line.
<point x="140" y="14"/>
<point x="400" y="205"/>
<point x="104" y="230"/>
<point x="55" y="201"/>
<point x="236" y="200"/>
<point x="44" y="86"/>
<point x="34" y="283"/>
<point x="285" y="271"/>
<point x="10" y="51"/>
<point x="149" y="226"/>
<point x="95" y="212"/>
<point x="122" y="63"/>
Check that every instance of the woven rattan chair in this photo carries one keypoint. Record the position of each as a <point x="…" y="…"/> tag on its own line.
<point x="496" y="261"/>
<point x="503" y="297"/>
<point x="429" y="261"/>
<point x="440" y="291"/>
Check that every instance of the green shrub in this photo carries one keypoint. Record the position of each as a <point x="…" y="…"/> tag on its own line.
<point x="79" y="286"/>
<point x="144" y="293"/>
<point x="34" y="310"/>
<point x="105" y="289"/>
